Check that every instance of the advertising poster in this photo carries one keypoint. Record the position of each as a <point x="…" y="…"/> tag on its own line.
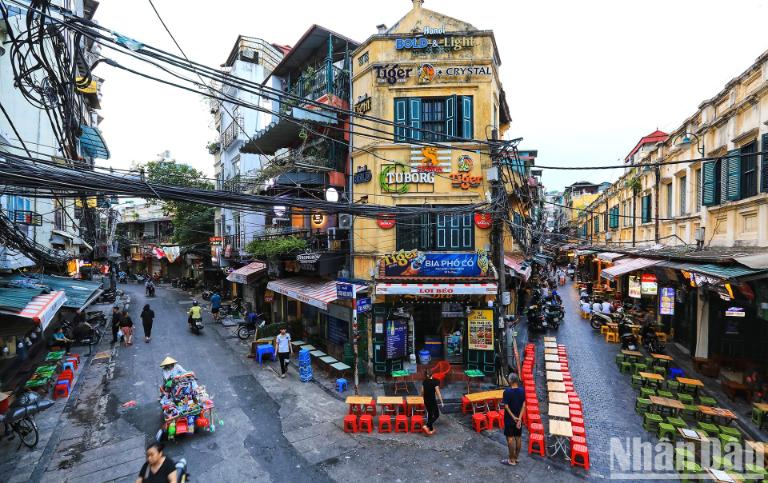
<point x="480" y="330"/>
<point x="397" y="337"/>
<point x="634" y="287"/>
<point x="667" y="301"/>
<point x="413" y="263"/>
<point x="648" y="285"/>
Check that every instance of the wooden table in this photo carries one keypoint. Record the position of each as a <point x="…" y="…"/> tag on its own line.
<point x="662" y="357"/>
<point x="725" y="414"/>
<point x="550" y="339"/>
<point x="695" y="383"/>
<point x="651" y="376"/>
<point x="556" y="386"/>
<point x="550" y="345"/>
<point x="473" y="374"/>
<point x="673" y="404"/>
<point x="551" y="358"/>
<point x="478" y="399"/>
<point x="761" y="406"/>
<point x="554" y="376"/>
<point x="548" y="351"/>
<point x="559" y="411"/>
<point x="400" y="378"/>
<point x="394" y="404"/>
<point x="561" y="432"/>
<point x="758" y="446"/>
<point x="413" y="402"/>
<point x="357" y="403"/>
<point x="632" y="354"/>
<point x="553" y="366"/>
<point x="701" y="437"/>
<point x="558" y="397"/>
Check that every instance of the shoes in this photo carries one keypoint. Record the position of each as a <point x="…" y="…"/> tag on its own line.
<point x="282" y="376"/>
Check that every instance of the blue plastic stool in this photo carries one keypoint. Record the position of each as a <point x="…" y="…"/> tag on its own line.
<point x="341" y="385"/>
<point x="264" y="349"/>
<point x="68" y="365"/>
<point x="675" y="372"/>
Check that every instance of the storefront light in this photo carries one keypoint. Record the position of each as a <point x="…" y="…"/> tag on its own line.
<point x="331" y="195"/>
<point x="279" y="210"/>
<point x="318" y="219"/>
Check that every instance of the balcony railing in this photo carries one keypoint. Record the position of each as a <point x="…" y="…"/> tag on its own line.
<point x="319" y="242"/>
<point x="316" y="82"/>
<point x="239" y="184"/>
<point x="231" y="133"/>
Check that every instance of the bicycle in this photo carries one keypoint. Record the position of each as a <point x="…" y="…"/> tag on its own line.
<point x="20" y="419"/>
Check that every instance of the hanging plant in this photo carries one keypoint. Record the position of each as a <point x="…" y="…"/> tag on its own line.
<point x="633" y="184"/>
<point x="274" y="247"/>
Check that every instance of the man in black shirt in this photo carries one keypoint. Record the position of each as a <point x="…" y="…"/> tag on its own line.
<point x="430" y="390"/>
<point x="514" y="410"/>
<point x="115" y="322"/>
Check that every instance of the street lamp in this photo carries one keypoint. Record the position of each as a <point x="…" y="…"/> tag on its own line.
<point x="687" y="140"/>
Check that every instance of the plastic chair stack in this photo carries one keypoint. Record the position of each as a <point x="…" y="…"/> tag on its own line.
<point x="305" y="366"/>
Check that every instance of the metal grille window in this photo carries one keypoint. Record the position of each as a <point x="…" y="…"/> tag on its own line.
<point x="433" y="119"/>
<point x="683" y="184"/>
<point x="436" y="232"/>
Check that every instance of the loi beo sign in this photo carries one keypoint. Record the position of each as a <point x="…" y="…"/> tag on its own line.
<point x="308" y="261"/>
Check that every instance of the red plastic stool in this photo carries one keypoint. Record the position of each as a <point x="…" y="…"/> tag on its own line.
<point x="578" y="440"/>
<point x="536" y="444"/>
<point x="67" y="374"/>
<point x="73" y="360"/>
<point x="61" y="390"/>
<point x="580" y="452"/>
<point x="350" y="423"/>
<point x="575" y="413"/>
<point x="466" y="406"/>
<point x="401" y="423"/>
<point x="370" y="408"/>
<point x="366" y="423"/>
<point x="578" y="431"/>
<point x="385" y="424"/>
<point x="479" y="422"/>
<point x="494" y="417"/>
<point x="417" y="423"/>
<point x="74" y="356"/>
<point x="577" y="421"/>
<point x="536" y="428"/>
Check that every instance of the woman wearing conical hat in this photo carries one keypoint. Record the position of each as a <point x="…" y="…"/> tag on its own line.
<point x="171" y="368"/>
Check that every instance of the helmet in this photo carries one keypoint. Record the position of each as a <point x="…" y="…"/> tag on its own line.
<point x="194" y="302"/>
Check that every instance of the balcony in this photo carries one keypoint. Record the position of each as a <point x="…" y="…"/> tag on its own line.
<point x="322" y="83"/>
<point x="239" y="184"/>
<point x="231" y="133"/>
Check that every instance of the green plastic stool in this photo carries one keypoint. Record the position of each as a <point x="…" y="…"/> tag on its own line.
<point x="647" y="392"/>
<point x="730" y="431"/>
<point x="642" y="405"/>
<point x="691" y="410"/>
<point x="683" y="456"/>
<point x="689" y="467"/>
<point x="685" y="398"/>
<point x="649" y="361"/>
<point x="720" y="463"/>
<point x="620" y="358"/>
<point x="625" y="367"/>
<point x="666" y="430"/>
<point x="677" y="422"/>
<point x="673" y="386"/>
<point x="758" y="416"/>
<point x="651" y="422"/>
<point x="659" y="370"/>
<point x="726" y="439"/>
<point x="707" y="401"/>
<point x="708" y="428"/>
<point x="640" y="367"/>
<point x="637" y="381"/>
<point x="666" y="394"/>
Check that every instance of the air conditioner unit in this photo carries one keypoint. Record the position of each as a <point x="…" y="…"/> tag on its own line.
<point x="345" y="221"/>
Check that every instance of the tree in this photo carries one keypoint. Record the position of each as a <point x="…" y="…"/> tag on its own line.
<point x="192" y="223"/>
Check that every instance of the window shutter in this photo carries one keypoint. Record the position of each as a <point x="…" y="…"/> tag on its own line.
<point x="401" y="119"/>
<point x="450" y="117"/>
<point x="597" y="224"/>
<point x="414" y="118"/>
<point x="764" y="164"/>
<point x="733" y="173"/>
<point x="466" y="117"/>
<point x="442" y="232"/>
<point x="709" y="175"/>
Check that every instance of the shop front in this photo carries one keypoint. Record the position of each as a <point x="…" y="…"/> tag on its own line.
<point x="435" y="306"/>
<point x="247" y="282"/>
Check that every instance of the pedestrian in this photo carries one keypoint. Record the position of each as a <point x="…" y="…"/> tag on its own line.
<point x="126" y="327"/>
<point x="115" y="322"/>
<point x="215" y="305"/>
<point x="284" y="349"/>
<point x="147" y="318"/>
<point x="514" y="411"/>
<point x="158" y="467"/>
<point x="607" y="308"/>
<point x="430" y="391"/>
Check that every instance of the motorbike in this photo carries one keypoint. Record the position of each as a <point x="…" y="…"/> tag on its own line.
<point x="123" y="278"/>
<point x="652" y="343"/>
<point x="182" y="475"/>
<point x="234" y="309"/>
<point x="150" y="291"/>
<point x="96" y="318"/>
<point x="600" y="319"/>
<point x="207" y="294"/>
<point x="537" y="319"/>
<point x="628" y="339"/>
<point x="196" y="326"/>
<point x="248" y="328"/>
<point x="552" y="317"/>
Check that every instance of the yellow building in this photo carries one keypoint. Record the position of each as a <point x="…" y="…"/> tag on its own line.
<point x="437" y="79"/>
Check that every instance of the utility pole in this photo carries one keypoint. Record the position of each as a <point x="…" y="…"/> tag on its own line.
<point x="497" y="244"/>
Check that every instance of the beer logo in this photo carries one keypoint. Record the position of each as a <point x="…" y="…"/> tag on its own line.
<point x="465" y="163"/>
<point x="426" y="73"/>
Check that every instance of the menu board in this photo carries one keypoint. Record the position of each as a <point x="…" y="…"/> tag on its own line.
<point x="480" y="330"/>
<point x="667" y="301"/>
<point x="634" y="287"/>
<point x="397" y="336"/>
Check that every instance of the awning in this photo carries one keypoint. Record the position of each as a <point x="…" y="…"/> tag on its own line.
<point x="754" y="261"/>
<point x="436" y="289"/>
<point x="515" y="263"/>
<point x="13" y="260"/>
<point x="80" y="293"/>
<point x="41" y="309"/>
<point x="724" y="272"/>
<point x="284" y="132"/>
<point x="247" y="274"/>
<point x="317" y="293"/>
<point x="584" y="252"/>
<point x="626" y="266"/>
<point x="609" y="256"/>
<point x="92" y="144"/>
<point x="57" y="239"/>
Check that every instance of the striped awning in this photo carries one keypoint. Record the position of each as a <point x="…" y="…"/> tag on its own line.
<point x="625" y="266"/>
<point x="317" y="293"/>
<point x="515" y="262"/>
<point x="430" y="289"/>
<point x="41" y="309"/>
<point x="92" y="143"/>
<point x="247" y="273"/>
<point x="609" y="256"/>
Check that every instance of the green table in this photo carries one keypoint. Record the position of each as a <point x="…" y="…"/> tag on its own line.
<point x="401" y="380"/>
<point x="473" y="374"/>
<point x="55" y="356"/>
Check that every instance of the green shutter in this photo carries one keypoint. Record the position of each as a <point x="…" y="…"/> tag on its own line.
<point x="401" y="119"/>
<point x="644" y="209"/>
<point x="414" y="118"/>
<point x="733" y="173"/>
<point x="764" y="164"/>
<point x="709" y="175"/>
<point x="450" y="117"/>
<point x="466" y="117"/>
<point x="597" y="224"/>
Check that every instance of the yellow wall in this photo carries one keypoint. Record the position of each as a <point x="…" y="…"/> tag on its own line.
<point x="370" y="241"/>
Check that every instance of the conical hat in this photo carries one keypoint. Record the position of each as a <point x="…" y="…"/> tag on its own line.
<point x="168" y="361"/>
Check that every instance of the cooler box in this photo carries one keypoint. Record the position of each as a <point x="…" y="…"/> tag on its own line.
<point x="434" y="344"/>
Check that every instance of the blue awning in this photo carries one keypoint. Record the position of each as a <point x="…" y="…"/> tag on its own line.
<point x="92" y="144"/>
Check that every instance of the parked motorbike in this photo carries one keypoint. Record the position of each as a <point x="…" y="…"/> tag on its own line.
<point x="600" y="319"/>
<point x="651" y="341"/>
<point x="537" y="319"/>
<point x="628" y="339"/>
<point x="552" y="317"/>
<point x="248" y="327"/>
<point x="234" y="309"/>
<point x="123" y="278"/>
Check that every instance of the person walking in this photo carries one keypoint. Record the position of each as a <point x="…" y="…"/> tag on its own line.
<point x="147" y="318"/>
<point x="126" y="327"/>
<point x="284" y="349"/>
<point x="215" y="305"/>
<point x="158" y="467"/>
<point x="514" y="411"/>
<point x="430" y="391"/>
<point x="115" y="322"/>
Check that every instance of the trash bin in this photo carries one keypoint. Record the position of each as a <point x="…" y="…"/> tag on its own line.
<point x="424" y="357"/>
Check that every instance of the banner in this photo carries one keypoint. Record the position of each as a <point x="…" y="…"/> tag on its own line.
<point x="648" y="285"/>
<point x="413" y="263"/>
<point x="480" y="330"/>
<point x="667" y="301"/>
<point x="634" y="287"/>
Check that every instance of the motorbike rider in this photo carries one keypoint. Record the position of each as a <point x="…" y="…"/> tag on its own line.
<point x="150" y="287"/>
<point x="195" y="313"/>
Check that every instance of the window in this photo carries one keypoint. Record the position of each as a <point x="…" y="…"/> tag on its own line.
<point x="597" y="224"/>
<point x="698" y="190"/>
<point x="710" y="183"/>
<point x="749" y="170"/>
<point x="645" y="215"/>
<point x="683" y="186"/>
<point x="764" y="165"/>
<point x="613" y="221"/>
<point x="668" y="190"/>
<point x="436" y="232"/>
<point x="434" y="119"/>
